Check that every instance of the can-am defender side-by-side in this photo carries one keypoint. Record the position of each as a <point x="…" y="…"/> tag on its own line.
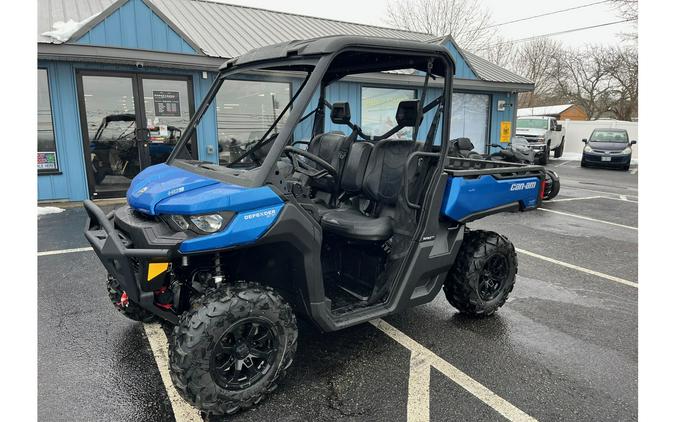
<point x="340" y="228"/>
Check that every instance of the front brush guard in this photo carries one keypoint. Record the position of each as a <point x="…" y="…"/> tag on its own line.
<point x="112" y="249"/>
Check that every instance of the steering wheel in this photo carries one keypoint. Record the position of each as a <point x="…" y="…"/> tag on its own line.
<point x="304" y="168"/>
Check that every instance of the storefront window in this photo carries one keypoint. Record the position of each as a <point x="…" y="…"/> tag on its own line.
<point x="378" y="110"/>
<point x="245" y="110"/>
<point x="46" y="145"/>
<point x="470" y="118"/>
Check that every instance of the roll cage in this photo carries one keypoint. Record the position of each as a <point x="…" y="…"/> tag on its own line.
<point x="325" y="61"/>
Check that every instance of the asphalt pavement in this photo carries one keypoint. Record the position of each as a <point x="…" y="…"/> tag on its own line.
<point x="563" y="348"/>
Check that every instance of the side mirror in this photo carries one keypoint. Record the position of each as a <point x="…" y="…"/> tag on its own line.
<point x="407" y="112"/>
<point x="558" y="128"/>
<point x="584" y="140"/>
<point x="340" y="114"/>
<point x="633" y="142"/>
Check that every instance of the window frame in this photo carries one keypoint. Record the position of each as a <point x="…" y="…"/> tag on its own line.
<point x="488" y="123"/>
<point x="57" y="170"/>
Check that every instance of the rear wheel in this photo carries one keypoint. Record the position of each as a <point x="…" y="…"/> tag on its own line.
<point x="483" y="274"/>
<point x="232" y="348"/>
<point x="122" y="303"/>
<point x="552" y="185"/>
<point x="558" y="152"/>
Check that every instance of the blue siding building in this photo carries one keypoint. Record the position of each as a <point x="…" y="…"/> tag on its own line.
<point x="108" y="67"/>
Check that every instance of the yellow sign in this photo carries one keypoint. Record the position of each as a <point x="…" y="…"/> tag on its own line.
<point x="505" y="132"/>
<point x="156" y="268"/>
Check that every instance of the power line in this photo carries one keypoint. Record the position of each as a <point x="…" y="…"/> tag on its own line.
<point x="547" y="14"/>
<point x="550" y="34"/>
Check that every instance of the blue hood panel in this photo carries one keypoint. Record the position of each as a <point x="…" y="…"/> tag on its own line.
<point x="218" y="197"/>
<point x="159" y="182"/>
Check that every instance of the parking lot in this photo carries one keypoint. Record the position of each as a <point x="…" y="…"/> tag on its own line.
<point x="563" y="348"/>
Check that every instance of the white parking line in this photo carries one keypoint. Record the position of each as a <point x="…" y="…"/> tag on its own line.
<point x="578" y="268"/>
<point x="562" y="164"/>
<point x="182" y="411"/>
<point x="481" y="392"/>
<point x="582" y="217"/>
<point x="575" y="199"/>
<point x="63" y="251"/>
<point x="595" y="190"/>
<point x="418" y="388"/>
<point x="634" y="171"/>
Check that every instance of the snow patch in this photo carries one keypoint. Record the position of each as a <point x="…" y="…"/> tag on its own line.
<point x="49" y="210"/>
<point x="62" y="31"/>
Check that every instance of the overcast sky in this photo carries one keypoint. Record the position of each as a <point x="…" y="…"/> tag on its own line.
<point x="372" y="12"/>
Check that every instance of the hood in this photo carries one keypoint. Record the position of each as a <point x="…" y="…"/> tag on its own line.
<point x="530" y="131"/>
<point x="164" y="189"/>
<point x="608" y="146"/>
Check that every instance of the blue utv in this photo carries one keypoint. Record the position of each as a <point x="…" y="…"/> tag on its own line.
<point x="340" y="228"/>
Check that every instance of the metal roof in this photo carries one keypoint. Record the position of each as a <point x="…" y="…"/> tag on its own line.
<point x="544" y="110"/>
<point x="53" y="11"/>
<point x="225" y="30"/>
<point x="488" y="71"/>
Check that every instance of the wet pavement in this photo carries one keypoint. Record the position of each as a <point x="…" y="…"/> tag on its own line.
<point x="563" y="348"/>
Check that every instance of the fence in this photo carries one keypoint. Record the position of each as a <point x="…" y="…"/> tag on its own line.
<point x="575" y="131"/>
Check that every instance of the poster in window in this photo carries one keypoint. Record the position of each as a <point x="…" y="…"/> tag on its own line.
<point x="167" y="103"/>
<point x="46" y="161"/>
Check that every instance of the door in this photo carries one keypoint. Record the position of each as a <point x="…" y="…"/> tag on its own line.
<point x="130" y="121"/>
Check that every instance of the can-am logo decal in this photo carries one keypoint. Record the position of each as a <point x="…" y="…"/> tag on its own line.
<point x="523" y="186"/>
<point x="267" y="213"/>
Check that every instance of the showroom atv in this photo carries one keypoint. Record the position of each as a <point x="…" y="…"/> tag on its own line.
<point x="519" y="150"/>
<point x="340" y="229"/>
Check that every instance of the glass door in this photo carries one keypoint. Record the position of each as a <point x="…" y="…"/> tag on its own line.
<point x="130" y="121"/>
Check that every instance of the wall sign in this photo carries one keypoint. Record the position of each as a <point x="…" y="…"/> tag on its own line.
<point x="46" y="161"/>
<point x="167" y="103"/>
<point x="505" y="131"/>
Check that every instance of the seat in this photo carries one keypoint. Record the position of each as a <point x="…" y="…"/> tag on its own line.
<point x="351" y="223"/>
<point x="381" y="183"/>
<point x="326" y="146"/>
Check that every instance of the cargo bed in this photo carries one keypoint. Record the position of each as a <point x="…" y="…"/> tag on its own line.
<point x="478" y="188"/>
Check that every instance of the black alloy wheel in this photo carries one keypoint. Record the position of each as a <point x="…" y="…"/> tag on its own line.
<point x="244" y="354"/>
<point x="492" y="278"/>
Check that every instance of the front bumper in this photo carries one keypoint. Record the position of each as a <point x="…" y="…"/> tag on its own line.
<point x="601" y="159"/>
<point x="129" y="265"/>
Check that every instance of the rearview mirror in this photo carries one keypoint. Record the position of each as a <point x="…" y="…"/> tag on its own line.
<point x="584" y="140"/>
<point x="558" y="128"/>
<point x="407" y="112"/>
<point x="633" y="142"/>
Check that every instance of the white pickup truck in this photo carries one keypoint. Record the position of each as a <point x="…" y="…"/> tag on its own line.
<point x="544" y="134"/>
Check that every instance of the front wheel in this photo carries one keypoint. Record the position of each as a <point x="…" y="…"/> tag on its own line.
<point x="232" y="348"/>
<point x="483" y="274"/>
<point x="558" y="152"/>
<point x="543" y="160"/>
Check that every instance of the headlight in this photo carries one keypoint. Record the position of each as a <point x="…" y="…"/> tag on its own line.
<point x="588" y="149"/>
<point x="209" y="223"/>
<point x="627" y="150"/>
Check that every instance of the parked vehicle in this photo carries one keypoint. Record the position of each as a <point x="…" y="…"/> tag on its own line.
<point x="608" y="148"/>
<point x="115" y="151"/>
<point x="517" y="151"/>
<point x="341" y="232"/>
<point x="544" y="135"/>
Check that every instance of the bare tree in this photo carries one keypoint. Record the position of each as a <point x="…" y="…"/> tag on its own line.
<point x="582" y="77"/>
<point x="537" y="60"/>
<point x="628" y="9"/>
<point x="622" y="67"/>
<point x="466" y="20"/>
<point x="500" y="52"/>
